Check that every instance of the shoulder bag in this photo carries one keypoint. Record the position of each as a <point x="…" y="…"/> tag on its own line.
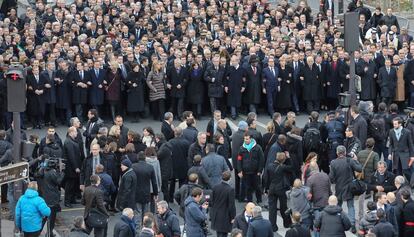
<point x="361" y="175"/>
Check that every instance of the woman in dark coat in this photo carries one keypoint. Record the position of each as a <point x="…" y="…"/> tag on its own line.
<point x="113" y="89"/>
<point x="333" y="85"/>
<point x="63" y="93"/>
<point x="195" y="88"/>
<point x="135" y="91"/>
<point x="283" y="102"/>
<point x="368" y="81"/>
<point x="325" y="74"/>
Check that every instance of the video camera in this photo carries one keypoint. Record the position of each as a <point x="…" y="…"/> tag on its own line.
<point x="51" y="163"/>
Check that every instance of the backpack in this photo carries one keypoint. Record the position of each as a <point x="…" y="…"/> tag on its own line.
<point x="376" y="129"/>
<point x="335" y="131"/>
<point x="312" y="139"/>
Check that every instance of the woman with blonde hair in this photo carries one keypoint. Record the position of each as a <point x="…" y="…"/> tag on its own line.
<point x="298" y="202"/>
<point x="113" y="88"/>
<point x="269" y="138"/>
<point x="156" y="84"/>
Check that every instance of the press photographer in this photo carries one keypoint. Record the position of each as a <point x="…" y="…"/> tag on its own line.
<point x="49" y="178"/>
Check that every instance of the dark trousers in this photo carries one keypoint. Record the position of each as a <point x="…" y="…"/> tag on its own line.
<point x="222" y="234"/>
<point x="165" y="190"/>
<point x="158" y="109"/>
<point x="312" y="105"/>
<point x="295" y="100"/>
<point x="32" y="234"/>
<point x="270" y="97"/>
<point x="197" y="109"/>
<point x="214" y="104"/>
<point x="79" y="112"/>
<point x="172" y="187"/>
<point x="252" y="183"/>
<point x="50" y="223"/>
<point x="387" y="100"/>
<point x="3" y="193"/>
<point x="98" y="232"/>
<point x="273" y="198"/>
<point x="51" y="113"/>
<point x="381" y="148"/>
<point x="70" y="190"/>
<point x="65" y="115"/>
<point x="177" y="103"/>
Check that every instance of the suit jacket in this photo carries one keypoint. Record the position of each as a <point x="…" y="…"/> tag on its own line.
<point x="79" y="94"/>
<point x="96" y="94"/>
<point x="409" y="74"/>
<point x="167" y="130"/>
<point x="91" y="132"/>
<point x="269" y="81"/>
<point x="401" y="149"/>
<point x="50" y="93"/>
<point x="360" y="129"/>
<point x="387" y="82"/>
<point x="36" y="103"/>
<point x="145" y="178"/>
<point x="177" y="78"/>
<point x="93" y="198"/>
<point x="240" y="222"/>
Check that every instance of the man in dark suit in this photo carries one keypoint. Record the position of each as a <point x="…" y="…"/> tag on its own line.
<point x="72" y="155"/>
<point x="92" y="128"/>
<point x="93" y="199"/>
<point x="409" y="75"/>
<point x="145" y="178"/>
<point x="296" y="92"/>
<point x="223" y="209"/>
<point x="401" y="149"/>
<point x="176" y="81"/>
<point x="36" y="97"/>
<point x="242" y="220"/>
<point x="360" y="125"/>
<point x="167" y="126"/>
<point x="270" y="84"/>
<point x="259" y="226"/>
<point x="387" y="80"/>
<point x="79" y="84"/>
<point x="214" y="77"/>
<point x="50" y="92"/>
<point x="96" y="85"/>
<point x="89" y="165"/>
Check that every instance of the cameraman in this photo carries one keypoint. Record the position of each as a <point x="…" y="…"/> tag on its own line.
<point x="49" y="179"/>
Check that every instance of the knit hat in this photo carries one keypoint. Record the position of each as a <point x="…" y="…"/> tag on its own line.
<point x="126" y="162"/>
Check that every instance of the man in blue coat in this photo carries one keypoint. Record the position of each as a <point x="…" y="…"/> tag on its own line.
<point x="30" y="211"/>
<point x="195" y="216"/>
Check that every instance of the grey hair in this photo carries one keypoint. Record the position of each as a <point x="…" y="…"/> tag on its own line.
<point x="163" y="204"/>
<point x="257" y="211"/>
<point x="201" y="134"/>
<point x="127" y="211"/>
<point x="168" y="115"/>
<point x="103" y="130"/>
<point x="72" y="120"/>
<point x="381" y="162"/>
<point x="341" y="150"/>
<point x="400" y="179"/>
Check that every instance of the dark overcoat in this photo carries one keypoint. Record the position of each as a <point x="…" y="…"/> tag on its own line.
<point x="79" y="94"/>
<point x="223" y="209"/>
<point x="368" y="82"/>
<point x="96" y="94"/>
<point x="234" y="82"/>
<point x="195" y="86"/>
<point x="135" y="90"/>
<point x="36" y="103"/>
<point x="179" y="157"/>
<point x="215" y="89"/>
<point x="311" y="83"/>
<point x="253" y="91"/>
<point x="63" y="91"/>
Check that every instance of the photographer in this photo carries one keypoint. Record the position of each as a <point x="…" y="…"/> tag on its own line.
<point x="196" y="215"/>
<point x="49" y="179"/>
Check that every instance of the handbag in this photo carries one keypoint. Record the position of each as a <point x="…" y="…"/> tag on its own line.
<point x="356" y="187"/>
<point x="96" y="219"/>
<point x="361" y="175"/>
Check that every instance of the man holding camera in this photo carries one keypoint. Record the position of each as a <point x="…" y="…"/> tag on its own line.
<point x="49" y="179"/>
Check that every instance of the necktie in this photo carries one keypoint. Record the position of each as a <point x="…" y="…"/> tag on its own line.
<point x="249" y="219"/>
<point x="81" y="75"/>
<point x="37" y="79"/>
<point x="273" y="71"/>
<point x="254" y="70"/>
<point x="96" y="73"/>
<point x="388" y="70"/>
<point x="90" y="127"/>
<point x="294" y="66"/>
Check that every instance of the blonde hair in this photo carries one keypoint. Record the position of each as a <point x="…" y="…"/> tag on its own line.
<point x="297" y="183"/>
<point x="112" y="130"/>
<point x="270" y="127"/>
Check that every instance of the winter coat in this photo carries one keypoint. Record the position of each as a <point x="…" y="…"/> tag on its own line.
<point x="63" y="91"/>
<point x="36" y="103"/>
<point x="167" y="130"/>
<point x="332" y="222"/>
<point x="298" y="201"/>
<point x="195" y="86"/>
<point x="145" y="179"/>
<point x="311" y="83"/>
<point x="371" y="166"/>
<point x="214" y="165"/>
<point x="360" y="129"/>
<point x="153" y="161"/>
<point x="215" y="88"/>
<point x="135" y="101"/>
<point x="320" y="188"/>
<point x="50" y="93"/>
<point x="193" y="150"/>
<point x="203" y="179"/>
<point x="240" y="222"/>
<point x="72" y="156"/>
<point x="123" y="229"/>
<point x="156" y="84"/>
<point x="96" y="94"/>
<point x="49" y="185"/>
<point x="181" y="195"/>
<point x="168" y="224"/>
<point x="283" y="97"/>
<point x="107" y="186"/>
<point x="190" y="134"/>
<point x="195" y="217"/>
<point x="387" y="182"/>
<point x="179" y="148"/>
<point x="222" y="207"/>
<point x="367" y="222"/>
<point x="387" y="82"/>
<point x="384" y="229"/>
<point x="234" y="83"/>
<point x="164" y="155"/>
<point x="294" y="146"/>
<point x="297" y="230"/>
<point x="79" y="94"/>
<point x="250" y="162"/>
<point x="407" y="215"/>
<point x="368" y="82"/>
<point x="275" y="178"/>
<point x="30" y="211"/>
<point x="259" y="227"/>
<point x="341" y="175"/>
<point x="253" y="91"/>
<point x="236" y="142"/>
<point x="93" y="198"/>
<point x="177" y="77"/>
<point x="53" y="150"/>
<point x="126" y="192"/>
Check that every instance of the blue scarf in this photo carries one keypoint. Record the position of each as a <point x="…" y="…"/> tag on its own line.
<point x="131" y="224"/>
<point x="250" y="146"/>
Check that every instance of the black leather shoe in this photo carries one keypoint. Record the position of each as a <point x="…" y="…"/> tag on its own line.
<point x="68" y="205"/>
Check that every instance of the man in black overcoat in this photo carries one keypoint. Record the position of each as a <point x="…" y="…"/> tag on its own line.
<point x="223" y="209"/>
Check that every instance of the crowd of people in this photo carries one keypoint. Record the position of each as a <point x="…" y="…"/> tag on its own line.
<point x="114" y="58"/>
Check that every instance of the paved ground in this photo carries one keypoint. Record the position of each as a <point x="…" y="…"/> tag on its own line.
<point x="66" y="217"/>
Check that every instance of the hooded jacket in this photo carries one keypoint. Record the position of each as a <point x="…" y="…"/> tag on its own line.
<point x="367" y="223"/>
<point x="298" y="201"/>
<point x="195" y="217"/>
<point x="332" y="222"/>
<point x="30" y="210"/>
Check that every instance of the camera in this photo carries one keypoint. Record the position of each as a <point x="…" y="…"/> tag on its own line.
<point x="288" y="212"/>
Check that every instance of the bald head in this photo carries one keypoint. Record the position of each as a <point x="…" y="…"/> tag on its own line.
<point x="333" y="201"/>
<point x="249" y="208"/>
